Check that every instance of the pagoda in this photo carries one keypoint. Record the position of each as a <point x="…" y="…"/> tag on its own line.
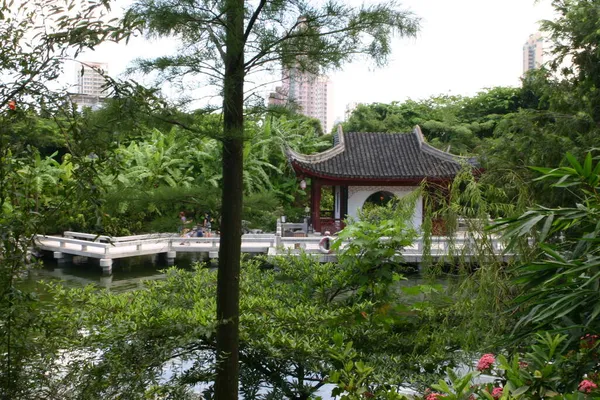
<point x="371" y="168"/>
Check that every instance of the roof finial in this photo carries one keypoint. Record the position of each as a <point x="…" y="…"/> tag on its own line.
<point x="419" y="134"/>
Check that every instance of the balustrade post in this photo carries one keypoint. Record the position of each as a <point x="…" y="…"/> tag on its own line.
<point x="278" y="233"/>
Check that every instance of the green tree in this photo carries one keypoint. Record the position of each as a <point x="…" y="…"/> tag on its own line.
<point x="560" y="107"/>
<point x="296" y="326"/>
<point x="372" y="263"/>
<point x="230" y="39"/>
<point x="35" y="37"/>
<point x="449" y="122"/>
<point x="575" y="35"/>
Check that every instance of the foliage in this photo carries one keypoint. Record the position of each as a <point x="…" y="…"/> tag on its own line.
<point x="35" y="37"/>
<point x="457" y="387"/>
<point x="158" y="161"/>
<point x="566" y="116"/>
<point x="296" y="327"/>
<point x="373" y="245"/>
<point x="455" y="122"/>
<point x="560" y="284"/>
<point x="355" y="379"/>
<point x="151" y="180"/>
<point x="469" y="315"/>
<point x="547" y="370"/>
<point x="575" y="35"/>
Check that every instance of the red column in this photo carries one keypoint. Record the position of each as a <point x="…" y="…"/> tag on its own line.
<point x="315" y="204"/>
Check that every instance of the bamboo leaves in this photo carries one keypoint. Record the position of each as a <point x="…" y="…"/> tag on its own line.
<point x="562" y="283"/>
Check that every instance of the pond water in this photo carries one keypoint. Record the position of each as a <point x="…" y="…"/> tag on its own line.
<point x="128" y="274"/>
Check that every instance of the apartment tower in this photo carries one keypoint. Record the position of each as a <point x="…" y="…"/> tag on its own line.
<point x="533" y="52"/>
<point x="88" y="84"/>
<point x="310" y="93"/>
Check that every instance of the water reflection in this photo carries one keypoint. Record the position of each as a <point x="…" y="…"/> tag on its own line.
<point x="128" y="273"/>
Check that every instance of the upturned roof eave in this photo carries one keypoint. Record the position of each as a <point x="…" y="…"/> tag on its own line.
<point x="306" y="172"/>
<point x="309" y="164"/>
<point x="339" y="148"/>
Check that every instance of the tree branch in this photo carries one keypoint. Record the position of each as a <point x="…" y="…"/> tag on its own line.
<point x="214" y="39"/>
<point x="289" y="34"/>
<point x="253" y="19"/>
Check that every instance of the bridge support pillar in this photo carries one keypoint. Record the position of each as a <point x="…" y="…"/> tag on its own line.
<point x="62" y="257"/>
<point x="106" y="265"/>
<point x="171" y="257"/>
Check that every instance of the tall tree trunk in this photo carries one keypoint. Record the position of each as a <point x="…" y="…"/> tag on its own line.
<point x="228" y="284"/>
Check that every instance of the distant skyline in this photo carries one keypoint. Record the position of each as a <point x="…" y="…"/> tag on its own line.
<point x="464" y="46"/>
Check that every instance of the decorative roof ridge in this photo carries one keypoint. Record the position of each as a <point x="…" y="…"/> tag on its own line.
<point x="419" y="135"/>
<point x="427" y="148"/>
<point x="323" y="156"/>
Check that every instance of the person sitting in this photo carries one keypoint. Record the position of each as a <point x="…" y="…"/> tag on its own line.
<point x="207" y="224"/>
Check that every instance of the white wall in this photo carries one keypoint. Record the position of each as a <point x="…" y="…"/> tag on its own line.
<point x="357" y="195"/>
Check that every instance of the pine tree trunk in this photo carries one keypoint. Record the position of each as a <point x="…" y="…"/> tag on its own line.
<point x="226" y="383"/>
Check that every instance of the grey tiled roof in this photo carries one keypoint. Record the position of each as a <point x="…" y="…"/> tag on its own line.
<point x="384" y="156"/>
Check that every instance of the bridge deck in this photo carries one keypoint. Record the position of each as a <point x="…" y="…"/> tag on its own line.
<point x="107" y="249"/>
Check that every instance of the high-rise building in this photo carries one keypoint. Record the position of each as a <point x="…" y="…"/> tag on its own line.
<point x="309" y="92"/>
<point x="533" y="52"/>
<point x="89" y="80"/>
<point x="88" y="84"/>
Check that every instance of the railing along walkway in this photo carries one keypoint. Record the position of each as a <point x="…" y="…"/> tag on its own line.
<point x="106" y="248"/>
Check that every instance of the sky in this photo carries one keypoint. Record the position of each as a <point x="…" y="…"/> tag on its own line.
<point x="463" y="46"/>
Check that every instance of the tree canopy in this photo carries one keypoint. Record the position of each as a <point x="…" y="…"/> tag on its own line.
<point x="226" y="42"/>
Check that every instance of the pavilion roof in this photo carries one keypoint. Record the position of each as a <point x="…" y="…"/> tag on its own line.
<point x="378" y="157"/>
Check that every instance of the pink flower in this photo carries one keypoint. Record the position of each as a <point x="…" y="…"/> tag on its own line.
<point x="586" y="386"/>
<point x="497" y="393"/>
<point x="485" y="362"/>
<point x="434" y="396"/>
<point x="523" y="364"/>
<point x="588" y="341"/>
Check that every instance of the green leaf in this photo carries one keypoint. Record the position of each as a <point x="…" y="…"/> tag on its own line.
<point x="520" y="391"/>
<point x="587" y="165"/>
<point x="574" y="163"/>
